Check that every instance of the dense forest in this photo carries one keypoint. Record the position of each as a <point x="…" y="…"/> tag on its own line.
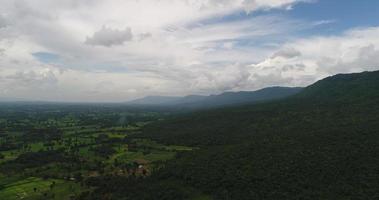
<point x="322" y="143"/>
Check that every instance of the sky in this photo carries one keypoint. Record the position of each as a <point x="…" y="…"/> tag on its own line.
<point x="119" y="50"/>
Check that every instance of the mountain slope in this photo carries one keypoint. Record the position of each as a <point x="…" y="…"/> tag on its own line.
<point x="336" y="92"/>
<point x="244" y="97"/>
<point x="154" y="100"/>
<point x="344" y="87"/>
<point x="297" y="148"/>
<point x="224" y="99"/>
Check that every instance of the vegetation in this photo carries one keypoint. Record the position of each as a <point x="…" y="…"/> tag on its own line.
<point x="195" y="102"/>
<point x="321" y="143"/>
<point x="51" y="151"/>
<point x="309" y="146"/>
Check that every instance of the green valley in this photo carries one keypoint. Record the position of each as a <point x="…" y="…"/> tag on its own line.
<point x="321" y="143"/>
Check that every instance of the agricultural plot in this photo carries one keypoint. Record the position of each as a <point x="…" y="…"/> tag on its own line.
<point x="52" y="155"/>
<point x="37" y="188"/>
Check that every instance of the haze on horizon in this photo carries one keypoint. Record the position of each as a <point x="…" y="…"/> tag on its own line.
<point x="118" y="50"/>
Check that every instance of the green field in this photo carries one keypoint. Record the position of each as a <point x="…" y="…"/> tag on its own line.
<point x="37" y="188"/>
<point x="67" y="147"/>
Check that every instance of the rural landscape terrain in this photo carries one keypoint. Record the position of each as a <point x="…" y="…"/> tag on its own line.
<point x="189" y="99"/>
<point x="319" y="143"/>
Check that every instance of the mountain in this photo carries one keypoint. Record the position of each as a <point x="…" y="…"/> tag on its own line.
<point x="244" y="97"/>
<point x="154" y="100"/>
<point x="7" y="99"/>
<point x="344" y="87"/>
<point x="322" y="143"/>
<point x="188" y="100"/>
<point x="224" y="99"/>
<point x="342" y="91"/>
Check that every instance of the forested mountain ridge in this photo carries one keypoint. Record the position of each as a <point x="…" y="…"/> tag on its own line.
<point x="243" y="97"/>
<point x="323" y="94"/>
<point x="154" y="100"/>
<point x="344" y="87"/>
<point x="223" y="99"/>
<point x="319" y="144"/>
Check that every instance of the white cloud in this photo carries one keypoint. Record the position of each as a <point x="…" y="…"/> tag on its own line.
<point x="287" y="53"/>
<point x="172" y="47"/>
<point x="306" y="60"/>
<point x="144" y="36"/>
<point x="109" y="37"/>
<point x="3" y="22"/>
<point x="251" y="5"/>
<point x="42" y="78"/>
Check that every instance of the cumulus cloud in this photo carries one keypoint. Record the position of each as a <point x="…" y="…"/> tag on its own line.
<point x="306" y="60"/>
<point x="287" y="53"/>
<point x="251" y="5"/>
<point x="109" y="37"/>
<point x="170" y="48"/>
<point x="144" y="36"/>
<point x="3" y="23"/>
<point x="43" y="78"/>
<point x="206" y="80"/>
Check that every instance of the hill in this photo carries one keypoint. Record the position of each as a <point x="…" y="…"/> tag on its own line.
<point x="154" y="100"/>
<point x="244" y="97"/>
<point x="344" y="88"/>
<point x="224" y="99"/>
<point x="320" y="144"/>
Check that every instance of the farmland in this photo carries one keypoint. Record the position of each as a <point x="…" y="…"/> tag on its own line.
<point x="50" y="153"/>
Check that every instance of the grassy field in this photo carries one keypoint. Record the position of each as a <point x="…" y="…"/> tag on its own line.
<point x="37" y="188"/>
<point x="84" y="150"/>
<point x="60" y="188"/>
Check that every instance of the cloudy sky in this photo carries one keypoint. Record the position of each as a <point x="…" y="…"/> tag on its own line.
<point x="118" y="50"/>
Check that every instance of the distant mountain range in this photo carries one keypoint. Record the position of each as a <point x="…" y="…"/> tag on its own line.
<point x="9" y="99"/>
<point x="224" y="99"/>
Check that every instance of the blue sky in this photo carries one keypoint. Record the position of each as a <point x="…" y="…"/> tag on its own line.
<point x="117" y="50"/>
<point x="345" y="13"/>
<point x="342" y="14"/>
<point x="46" y="57"/>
